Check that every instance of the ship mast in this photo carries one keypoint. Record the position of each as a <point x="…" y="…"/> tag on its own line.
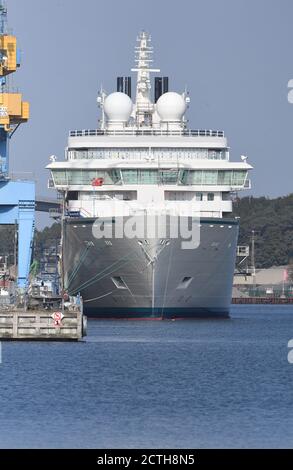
<point x="144" y="108"/>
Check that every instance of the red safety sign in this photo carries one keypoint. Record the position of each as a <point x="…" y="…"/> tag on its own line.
<point x="57" y="317"/>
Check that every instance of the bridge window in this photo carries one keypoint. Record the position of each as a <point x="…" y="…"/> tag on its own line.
<point x="168" y="176"/>
<point x="84" y="177"/>
<point x="213" y="177"/>
<point x="231" y="178"/>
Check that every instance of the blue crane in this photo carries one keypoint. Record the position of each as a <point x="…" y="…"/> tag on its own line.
<point x="17" y="197"/>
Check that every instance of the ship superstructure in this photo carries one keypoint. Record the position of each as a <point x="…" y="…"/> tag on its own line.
<point x="143" y="156"/>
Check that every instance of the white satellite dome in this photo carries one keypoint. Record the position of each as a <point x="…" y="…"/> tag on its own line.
<point x="171" y="107"/>
<point x="118" y="107"/>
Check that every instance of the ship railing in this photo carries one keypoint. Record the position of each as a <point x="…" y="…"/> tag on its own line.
<point x="85" y="213"/>
<point x="146" y="133"/>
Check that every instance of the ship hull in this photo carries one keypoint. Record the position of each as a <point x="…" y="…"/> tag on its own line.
<point x="151" y="278"/>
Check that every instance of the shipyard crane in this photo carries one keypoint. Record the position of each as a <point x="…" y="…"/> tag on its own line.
<point x="17" y="197"/>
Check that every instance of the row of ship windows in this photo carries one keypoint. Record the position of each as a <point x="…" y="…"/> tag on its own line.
<point x="140" y="177"/>
<point x="188" y="196"/>
<point x="148" y="153"/>
<point x="132" y="196"/>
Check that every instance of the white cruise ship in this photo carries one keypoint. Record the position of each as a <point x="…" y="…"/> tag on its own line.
<point x="143" y="164"/>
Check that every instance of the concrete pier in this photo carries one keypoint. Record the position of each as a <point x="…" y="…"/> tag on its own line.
<point x="42" y="325"/>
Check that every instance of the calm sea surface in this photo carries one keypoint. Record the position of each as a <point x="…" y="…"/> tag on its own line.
<point x="196" y="384"/>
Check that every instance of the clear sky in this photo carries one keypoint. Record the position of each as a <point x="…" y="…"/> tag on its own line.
<point x="235" y="56"/>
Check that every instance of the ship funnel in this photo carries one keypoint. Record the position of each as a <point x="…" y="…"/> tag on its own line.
<point x="165" y="84"/>
<point x="158" y="88"/>
<point x="124" y="85"/>
<point x="120" y="85"/>
<point x="161" y="87"/>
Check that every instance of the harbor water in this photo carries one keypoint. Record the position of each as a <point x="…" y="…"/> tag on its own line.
<point x="185" y="384"/>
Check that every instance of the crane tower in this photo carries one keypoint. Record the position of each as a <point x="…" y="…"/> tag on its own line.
<point x="17" y="197"/>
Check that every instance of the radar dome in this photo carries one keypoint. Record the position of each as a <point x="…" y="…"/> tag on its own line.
<point x="171" y="107"/>
<point x="118" y="107"/>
